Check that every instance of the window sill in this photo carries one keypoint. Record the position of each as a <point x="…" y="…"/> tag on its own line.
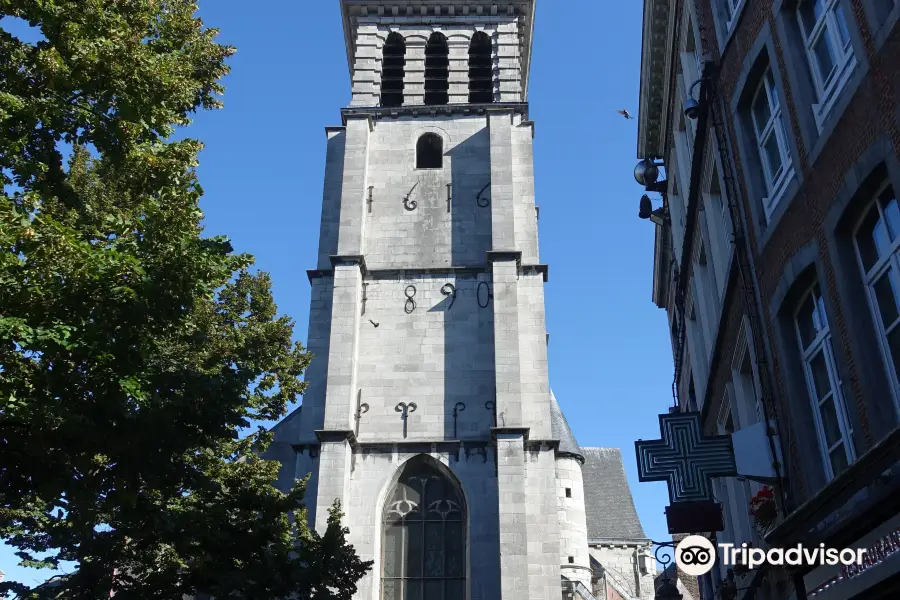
<point x="771" y="204"/>
<point x="728" y="28"/>
<point x="823" y="110"/>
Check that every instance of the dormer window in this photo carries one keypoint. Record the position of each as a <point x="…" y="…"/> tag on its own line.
<point x="392" y="71"/>
<point x="437" y="70"/>
<point x="481" y="70"/>
<point x="430" y="152"/>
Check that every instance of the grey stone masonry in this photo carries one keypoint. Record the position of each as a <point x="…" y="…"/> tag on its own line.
<point x="503" y="237"/>
<point x="507" y="364"/>
<point x="531" y="334"/>
<point x="354" y="188"/>
<point x="334" y="477"/>
<point x="439" y="226"/>
<point x="372" y="32"/>
<point x="572" y="521"/>
<point x="331" y="195"/>
<point x="318" y="342"/>
<point x="515" y="571"/>
<point x="414" y="72"/>
<point x="510" y="64"/>
<point x="366" y="76"/>
<point x="543" y="527"/>
<point x="343" y="348"/>
<point x="459" y="68"/>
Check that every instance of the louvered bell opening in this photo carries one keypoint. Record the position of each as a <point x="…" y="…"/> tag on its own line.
<point x="392" y="64"/>
<point x="481" y="70"/>
<point x="437" y="70"/>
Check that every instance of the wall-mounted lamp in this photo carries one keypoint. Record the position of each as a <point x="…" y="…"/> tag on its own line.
<point x="646" y="173"/>
<point x="646" y="211"/>
<point x="691" y="106"/>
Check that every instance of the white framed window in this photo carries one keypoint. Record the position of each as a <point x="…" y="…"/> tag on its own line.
<point x="736" y="501"/>
<point x="731" y="10"/>
<point x="824" y="383"/>
<point x="771" y="140"/>
<point x="882" y="9"/>
<point x="826" y="37"/>
<point x="744" y="379"/>
<point x="877" y="241"/>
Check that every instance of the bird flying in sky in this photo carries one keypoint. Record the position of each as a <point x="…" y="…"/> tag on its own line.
<point x="625" y="113"/>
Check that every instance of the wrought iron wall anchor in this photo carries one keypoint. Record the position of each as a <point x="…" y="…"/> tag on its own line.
<point x="489" y="296"/>
<point x="405" y="409"/>
<point x="663" y="558"/>
<point x="408" y="203"/>
<point x="460" y="406"/>
<point x="364" y="299"/>
<point x="483" y="201"/>
<point x="449" y="197"/>
<point x="449" y="290"/>
<point x="371" y="199"/>
<point x="492" y="406"/>
<point x="361" y="409"/>
<point x="410" y="293"/>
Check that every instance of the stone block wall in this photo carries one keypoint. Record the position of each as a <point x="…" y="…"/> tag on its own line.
<point x="437" y="232"/>
<point x="572" y="521"/>
<point x="621" y="563"/>
<point x="439" y="354"/>
<point x="372" y="32"/>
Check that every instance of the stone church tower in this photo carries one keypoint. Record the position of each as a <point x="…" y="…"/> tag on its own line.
<point x="428" y="413"/>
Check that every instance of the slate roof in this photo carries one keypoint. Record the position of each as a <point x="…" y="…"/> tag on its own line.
<point x="559" y="429"/>
<point x="609" y="506"/>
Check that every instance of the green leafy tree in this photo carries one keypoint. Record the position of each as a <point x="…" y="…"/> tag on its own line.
<point x="133" y="350"/>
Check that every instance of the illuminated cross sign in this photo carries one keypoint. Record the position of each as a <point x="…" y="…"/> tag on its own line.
<point x="685" y="458"/>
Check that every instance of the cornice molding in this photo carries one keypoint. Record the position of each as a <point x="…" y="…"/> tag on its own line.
<point x="433" y="110"/>
<point x="489" y="10"/>
<point x="654" y="47"/>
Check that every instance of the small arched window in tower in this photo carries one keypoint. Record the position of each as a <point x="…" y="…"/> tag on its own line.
<point x="430" y="152"/>
<point x="424" y="549"/>
<point x="392" y="64"/>
<point x="437" y="70"/>
<point x="481" y="70"/>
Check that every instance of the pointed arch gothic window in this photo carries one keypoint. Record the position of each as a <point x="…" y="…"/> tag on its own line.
<point x="437" y="70"/>
<point x="424" y="547"/>
<point x="481" y="70"/>
<point x="392" y="65"/>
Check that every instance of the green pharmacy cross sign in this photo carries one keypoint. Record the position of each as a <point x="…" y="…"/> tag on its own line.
<point x="684" y="458"/>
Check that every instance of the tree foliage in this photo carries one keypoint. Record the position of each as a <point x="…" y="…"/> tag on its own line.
<point x="132" y="348"/>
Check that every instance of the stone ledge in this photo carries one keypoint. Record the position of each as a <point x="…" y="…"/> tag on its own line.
<point x="312" y="274"/>
<point x="335" y="435"/>
<point x="348" y="259"/>
<point x="428" y="110"/>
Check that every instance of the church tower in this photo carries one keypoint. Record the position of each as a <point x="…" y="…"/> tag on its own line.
<point x="428" y="413"/>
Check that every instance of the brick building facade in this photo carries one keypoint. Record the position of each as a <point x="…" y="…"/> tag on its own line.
<point x="776" y="260"/>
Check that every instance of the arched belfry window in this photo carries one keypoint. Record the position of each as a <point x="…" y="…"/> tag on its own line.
<point x="430" y="152"/>
<point x="437" y="69"/>
<point x="392" y="70"/>
<point x="481" y="69"/>
<point x="424" y="554"/>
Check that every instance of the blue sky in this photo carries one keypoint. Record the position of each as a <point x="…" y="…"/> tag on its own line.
<point x="262" y="169"/>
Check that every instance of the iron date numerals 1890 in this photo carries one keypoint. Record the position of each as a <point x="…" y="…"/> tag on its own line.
<point x="483" y="296"/>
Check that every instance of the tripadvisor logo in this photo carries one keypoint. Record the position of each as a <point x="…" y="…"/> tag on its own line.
<point x="695" y="555"/>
